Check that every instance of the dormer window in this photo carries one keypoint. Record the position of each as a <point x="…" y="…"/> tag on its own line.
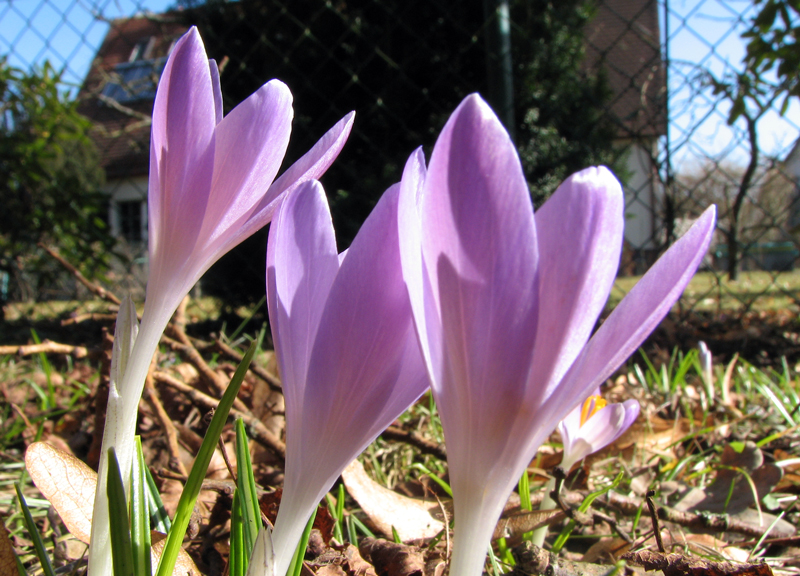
<point x="137" y="78"/>
<point x="142" y="49"/>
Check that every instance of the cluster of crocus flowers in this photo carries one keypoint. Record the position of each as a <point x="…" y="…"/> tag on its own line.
<point x="212" y="184"/>
<point x="452" y="282"/>
<point x="504" y="304"/>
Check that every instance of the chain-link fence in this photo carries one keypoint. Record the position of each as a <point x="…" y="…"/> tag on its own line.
<point x="644" y="86"/>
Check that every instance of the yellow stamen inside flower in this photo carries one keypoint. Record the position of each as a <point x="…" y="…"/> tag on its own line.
<point x="590" y="407"/>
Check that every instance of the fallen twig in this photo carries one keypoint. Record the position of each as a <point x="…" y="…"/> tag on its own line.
<point x="184" y="347"/>
<point x="256" y="428"/>
<point x="425" y="446"/>
<point x="94" y="288"/>
<point x="46" y="347"/>
<point x="273" y="382"/>
<point x="705" y="520"/>
<point x="152" y="398"/>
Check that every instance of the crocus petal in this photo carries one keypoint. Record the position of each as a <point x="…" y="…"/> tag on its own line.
<point x="182" y="150"/>
<point x="302" y="243"/>
<point x="579" y="231"/>
<point x="251" y="142"/>
<point x="426" y="316"/>
<point x="310" y="166"/>
<point x="314" y="162"/>
<point x="480" y="254"/>
<point x="365" y="368"/>
<point x="637" y="315"/>
<point x="603" y="428"/>
<point x="217" y="89"/>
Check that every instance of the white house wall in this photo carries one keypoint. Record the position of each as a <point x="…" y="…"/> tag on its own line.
<point x="643" y="196"/>
<point x="127" y="190"/>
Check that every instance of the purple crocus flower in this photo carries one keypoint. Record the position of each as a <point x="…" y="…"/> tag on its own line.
<point x="345" y="344"/>
<point x="593" y="425"/>
<point x="211" y="186"/>
<point x="504" y="304"/>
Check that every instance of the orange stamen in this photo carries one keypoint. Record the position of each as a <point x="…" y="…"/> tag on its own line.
<point x="590" y="407"/>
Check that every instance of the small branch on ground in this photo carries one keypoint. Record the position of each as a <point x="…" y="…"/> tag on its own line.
<point x="256" y="428"/>
<point x="413" y="439"/>
<point x="101" y="292"/>
<point x="708" y="521"/>
<point x="96" y="316"/>
<point x="183" y="346"/>
<point x="272" y="381"/>
<point x="651" y="505"/>
<point x="46" y="347"/>
<point x="167" y="426"/>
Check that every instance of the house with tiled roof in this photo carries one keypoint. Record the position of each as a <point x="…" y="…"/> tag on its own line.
<point x="117" y="96"/>
<point x="623" y="39"/>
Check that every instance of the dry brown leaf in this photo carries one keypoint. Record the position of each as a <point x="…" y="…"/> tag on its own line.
<point x="411" y="517"/>
<point x="514" y="523"/>
<point x="184" y="565"/>
<point x="682" y="565"/>
<point x="356" y="564"/>
<point x="331" y="570"/>
<point x="656" y="436"/>
<point x="606" y="551"/>
<point x="392" y="559"/>
<point x="704" y="544"/>
<point x="67" y="483"/>
<point x="8" y="562"/>
<point x="719" y="497"/>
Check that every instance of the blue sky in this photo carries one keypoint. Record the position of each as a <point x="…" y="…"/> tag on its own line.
<point x="703" y="33"/>
<point x="706" y="34"/>
<point x="66" y="32"/>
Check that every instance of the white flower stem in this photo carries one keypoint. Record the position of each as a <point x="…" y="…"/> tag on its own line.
<point x="474" y="528"/>
<point x="547" y="504"/>
<point x="289" y="525"/>
<point x="119" y="431"/>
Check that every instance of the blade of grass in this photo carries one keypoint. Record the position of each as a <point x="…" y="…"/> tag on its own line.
<point x="20" y="567"/>
<point x="119" y="528"/>
<point x="236" y="556"/>
<point x="361" y="526"/>
<point x="770" y="395"/>
<point x="424" y="469"/>
<point x="195" y="481"/>
<point x="159" y="519"/>
<point x="246" y="486"/>
<point x="340" y="509"/>
<point x="48" y="373"/>
<point x="590" y="498"/>
<point x="493" y="561"/>
<point x="333" y="508"/>
<point x="33" y="532"/>
<point x="247" y="319"/>
<point x="352" y="535"/>
<point x="140" y="517"/>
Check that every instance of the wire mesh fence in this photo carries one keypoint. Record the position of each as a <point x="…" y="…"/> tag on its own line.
<point x="645" y="86"/>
